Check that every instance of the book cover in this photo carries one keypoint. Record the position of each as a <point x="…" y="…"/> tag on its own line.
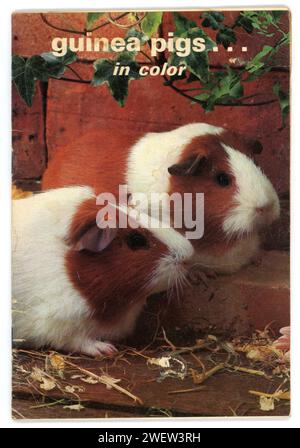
<point x="150" y="228"/>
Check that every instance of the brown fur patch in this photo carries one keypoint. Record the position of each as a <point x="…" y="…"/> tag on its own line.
<point x="97" y="159"/>
<point x="217" y="200"/>
<point x="114" y="280"/>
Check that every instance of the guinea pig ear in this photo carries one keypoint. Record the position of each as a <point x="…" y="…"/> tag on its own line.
<point x="190" y="167"/>
<point x="255" y="146"/>
<point x="95" y="239"/>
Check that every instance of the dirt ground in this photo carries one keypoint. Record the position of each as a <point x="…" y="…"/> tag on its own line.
<point x="211" y="378"/>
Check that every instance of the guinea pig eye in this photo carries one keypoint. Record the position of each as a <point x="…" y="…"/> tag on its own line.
<point x="223" y="179"/>
<point x="136" y="240"/>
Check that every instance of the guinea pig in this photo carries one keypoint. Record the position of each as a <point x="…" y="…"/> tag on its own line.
<point x="77" y="286"/>
<point x="239" y="200"/>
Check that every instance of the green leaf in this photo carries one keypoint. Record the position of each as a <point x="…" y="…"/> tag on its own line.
<point x="277" y="15"/>
<point x="151" y="22"/>
<point x="23" y="78"/>
<point x="56" y="65"/>
<point x="91" y="17"/>
<point x="257" y="64"/>
<point x="223" y="87"/>
<point x="132" y="32"/>
<point x="41" y="67"/>
<point x="196" y="63"/>
<point x="261" y="21"/>
<point x="182" y="24"/>
<point x="212" y="19"/>
<point x="117" y="84"/>
<point x="225" y="36"/>
<point x="283" y="98"/>
<point x="202" y="96"/>
<point x="245" y="23"/>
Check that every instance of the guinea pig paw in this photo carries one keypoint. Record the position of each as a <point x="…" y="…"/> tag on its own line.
<point x="108" y="348"/>
<point x="96" y="348"/>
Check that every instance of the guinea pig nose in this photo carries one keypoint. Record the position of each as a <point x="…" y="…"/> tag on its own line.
<point x="264" y="209"/>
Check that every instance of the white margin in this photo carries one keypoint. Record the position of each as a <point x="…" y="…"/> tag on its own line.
<point x="5" y="180"/>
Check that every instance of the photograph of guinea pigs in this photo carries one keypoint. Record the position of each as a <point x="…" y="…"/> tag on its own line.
<point x="69" y="270"/>
<point x="173" y="299"/>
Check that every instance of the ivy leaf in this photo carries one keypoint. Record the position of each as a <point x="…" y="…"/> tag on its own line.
<point x="56" y="65"/>
<point x="182" y="24"/>
<point x="23" y="78"/>
<point x="38" y="68"/>
<point x="277" y="15"/>
<point x="222" y="88"/>
<point x="257" y="65"/>
<point x="225" y="36"/>
<point x="212" y="19"/>
<point x="245" y="23"/>
<point x="196" y="63"/>
<point x="261" y="20"/>
<point x="284" y="104"/>
<point x="41" y="67"/>
<point x="117" y="84"/>
<point x="202" y="96"/>
<point x="151" y="22"/>
<point x="91" y="17"/>
<point x="132" y="32"/>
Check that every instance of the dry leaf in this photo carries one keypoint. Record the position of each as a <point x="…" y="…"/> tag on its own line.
<point x="266" y="403"/>
<point x="74" y="407"/>
<point x="262" y="353"/>
<point x="37" y="374"/>
<point x="17" y="193"/>
<point x="211" y="337"/>
<point x="164" y="361"/>
<point x="284" y="395"/>
<point x="57" y="362"/>
<point x="47" y="384"/>
<point x="74" y="388"/>
<point x="278" y="395"/>
<point x="89" y="380"/>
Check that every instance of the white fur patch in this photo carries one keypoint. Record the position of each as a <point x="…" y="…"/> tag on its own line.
<point x="150" y="157"/>
<point x="170" y="270"/>
<point x="175" y="241"/>
<point x="47" y="309"/>
<point x="234" y="259"/>
<point x="254" y="191"/>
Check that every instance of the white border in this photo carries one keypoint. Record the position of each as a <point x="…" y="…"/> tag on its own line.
<point x="5" y="121"/>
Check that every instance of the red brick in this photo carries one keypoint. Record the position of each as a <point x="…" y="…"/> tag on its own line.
<point x="28" y="140"/>
<point x="234" y="304"/>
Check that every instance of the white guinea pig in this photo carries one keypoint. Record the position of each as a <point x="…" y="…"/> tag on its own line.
<point x="75" y="286"/>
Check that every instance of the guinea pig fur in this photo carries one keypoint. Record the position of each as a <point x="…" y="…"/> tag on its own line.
<point x="75" y="286"/>
<point x="239" y="199"/>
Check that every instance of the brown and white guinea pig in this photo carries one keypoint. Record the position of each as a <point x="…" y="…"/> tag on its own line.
<point x="239" y="199"/>
<point x="76" y="286"/>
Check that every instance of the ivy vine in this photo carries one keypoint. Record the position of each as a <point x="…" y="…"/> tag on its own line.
<point x="201" y="83"/>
